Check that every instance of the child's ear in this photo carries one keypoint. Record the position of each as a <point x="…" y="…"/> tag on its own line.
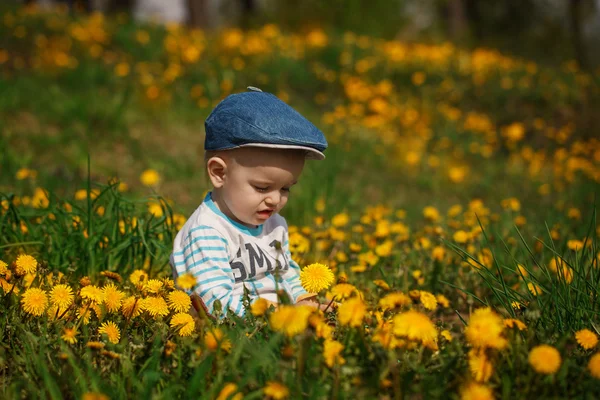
<point x="217" y="169"/>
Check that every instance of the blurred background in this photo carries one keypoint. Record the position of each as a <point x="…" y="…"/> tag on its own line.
<point x="432" y="102"/>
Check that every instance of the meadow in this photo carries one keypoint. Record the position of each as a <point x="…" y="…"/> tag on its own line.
<point x="456" y="211"/>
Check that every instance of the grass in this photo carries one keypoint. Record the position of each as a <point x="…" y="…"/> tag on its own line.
<point x="463" y="174"/>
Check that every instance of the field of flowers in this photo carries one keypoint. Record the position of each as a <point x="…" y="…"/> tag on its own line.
<point x="453" y="222"/>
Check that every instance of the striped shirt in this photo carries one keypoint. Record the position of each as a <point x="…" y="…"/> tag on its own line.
<point x="225" y="257"/>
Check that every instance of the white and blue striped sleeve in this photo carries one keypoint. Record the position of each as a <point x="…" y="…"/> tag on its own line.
<point x="204" y="254"/>
<point x="292" y="274"/>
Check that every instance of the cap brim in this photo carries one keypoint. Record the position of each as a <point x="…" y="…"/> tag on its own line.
<point x="311" y="154"/>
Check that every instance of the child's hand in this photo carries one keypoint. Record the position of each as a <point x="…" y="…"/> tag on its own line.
<point x="313" y="303"/>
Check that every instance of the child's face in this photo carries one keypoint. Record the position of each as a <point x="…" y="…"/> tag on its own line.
<point x="257" y="183"/>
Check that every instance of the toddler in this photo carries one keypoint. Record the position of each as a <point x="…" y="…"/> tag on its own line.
<point x="255" y="149"/>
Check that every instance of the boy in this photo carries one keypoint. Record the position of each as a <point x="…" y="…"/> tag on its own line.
<point x="255" y="147"/>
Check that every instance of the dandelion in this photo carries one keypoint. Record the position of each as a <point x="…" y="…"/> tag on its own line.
<point x="95" y="345"/>
<point x="352" y="312"/>
<point x="131" y="307"/>
<point x="415" y="326"/>
<point x="291" y="320"/>
<point x="92" y="293"/>
<point x="481" y="368"/>
<point x="394" y="300"/>
<point x="485" y="329"/>
<point x="586" y="339"/>
<point x="446" y="335"/>
<point x="138" y="278"/>
<point x="514" y="323"/>
<point x="155" y="305"/>
<point x="276" y="390"/>
<point x="476" y="391"/>
<point x="94" y="396"/>
<point x="179" y="301"/>
<point x="534" y="289"/>
<point x="3" y="268"/>
<point x="153" y="286"/>
<point x="215" y="338"/>
<point x="594" y="365"/>
<point x="111" y="330"/>
<point x="331" y="353"/>
<point x="26" y="264"/>
<point x="227" y="393"/>
<point x="442" y="300"/>
<point x="61" y="296"/>
<point x="259" y="307"/>
<point x="316" y="277"/>
<point x="544" y="359"/>
<point x="382" y="284"/>
<point x="150" y="177"/>
<point x="69" y="335"/>
<point x="34" y="301"/>
<point x="186" y="281"/>
<point x="184" y="322"/>
<point x="84" y="313"/>
<point x="112" y="275"/>
<point x="113" y="297"/>
<point x="342" y="291"/>
<point x="428" y="300"/>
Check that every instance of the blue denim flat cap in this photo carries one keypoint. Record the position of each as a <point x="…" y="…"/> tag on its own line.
<point x="259" y="119"/>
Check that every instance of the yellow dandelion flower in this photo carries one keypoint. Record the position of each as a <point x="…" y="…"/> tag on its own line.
<point x="184" y="322"/>
<point x="382" y="284"/>
<point x="186" y="281"/>
<point x="480" y="366"/>
<point x="153" y="286"/>
<point x="61" y="296"/>
<point x="544" y="359"/>
<point x="3" y="268"/>
<point x="415" y="326"/>
<point x="131" y="307"/>
<point x="112" y="275"/>
<point x="26" y="264"/>
<point x="69" y="335"/>
<point x="446" y="335"/>
<point x="229" y="392"/>
<point x="276" y="390"/>
<point x="485" y="329"/>
<point x="332" y="353"/>
<point x="179" y="301"/>
<point x="259" y="307"/>
<point x="428" y="300"/>
<point x="150" y="177"/>
<point x="84" y="313"/>
<point x="111" y="330"/>
<point x="534" y="289"/>
<point x="514" y="323"/>
<point x="215" y="338"/>
<point x="594" y="365"/>
<point x="291" y="320"/>
<point x="138" y="277"/>
<point x="92" y="293"/>
<point x="342" y="291"/>
<point x="351" y="312"/>
<point x="443" y="300"/>
<point x="95" y="345"/>
<point x="155" y="305"/>
<point x="340" y="220"/>
<point x="316" y="277"/>
<point x="113" y="297"/>
<point x="34" y="301"/>
<point x="8" y="287"/>
<point x="476" y="391"/>
<point x="393" y="300"/>
<point x="586" y="339"/>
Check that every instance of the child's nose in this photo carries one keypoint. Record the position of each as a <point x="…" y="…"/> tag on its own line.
<point x="273" y="198"/>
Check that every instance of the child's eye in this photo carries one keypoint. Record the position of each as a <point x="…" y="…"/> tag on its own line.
<point x="285" y="189"/>
<point x="261" y="189"/>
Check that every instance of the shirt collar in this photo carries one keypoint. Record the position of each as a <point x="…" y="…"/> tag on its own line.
<point x="250" y="231"/>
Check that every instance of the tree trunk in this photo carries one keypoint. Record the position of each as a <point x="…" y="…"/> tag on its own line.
<point x="575" y="9"/>
<point x="457" y="23"/>
<point x="198" y="13"/>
